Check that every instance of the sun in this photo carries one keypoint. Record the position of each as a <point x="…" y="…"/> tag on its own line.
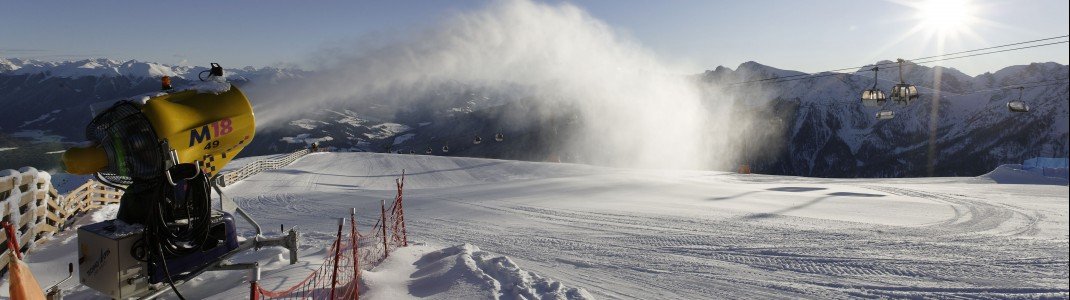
<point x="945" y="17"/>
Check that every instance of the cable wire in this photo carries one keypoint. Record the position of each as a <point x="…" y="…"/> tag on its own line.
<point x="993" y="52"/>
<point x="829" y="73"/>
<point x="1027" y="85"/>
<point x="927" y="59"/>
<point x="993" y="47"/>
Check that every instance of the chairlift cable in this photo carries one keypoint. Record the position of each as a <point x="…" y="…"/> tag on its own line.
<point x="993" y="52"/>
<point x="914" y="61"/>
<point x="1027" y="85"/>
<point x="1013" y="86"/>
<point x="994" y="47"/>
<point x="827" y="73"/>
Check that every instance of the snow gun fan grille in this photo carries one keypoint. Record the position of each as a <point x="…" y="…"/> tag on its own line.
<point x="130" y="142"/>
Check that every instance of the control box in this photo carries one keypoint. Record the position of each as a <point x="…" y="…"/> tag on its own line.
<point x="105" y="262"/>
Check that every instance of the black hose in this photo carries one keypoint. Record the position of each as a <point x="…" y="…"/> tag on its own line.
<point x="159" y="241"/>
<point x="167" y="273"/>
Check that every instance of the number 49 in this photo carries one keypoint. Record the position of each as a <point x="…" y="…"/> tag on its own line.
<point x="211" y="145"/>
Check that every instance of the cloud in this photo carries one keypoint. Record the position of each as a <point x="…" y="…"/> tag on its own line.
<point x="21" y="51"/>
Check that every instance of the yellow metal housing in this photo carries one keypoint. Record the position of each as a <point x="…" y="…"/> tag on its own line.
<point x="203" y="126"/>
<point x="85" y="160"/>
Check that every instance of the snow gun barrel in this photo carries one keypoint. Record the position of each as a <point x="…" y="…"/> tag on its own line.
<point x="209" y="126"/>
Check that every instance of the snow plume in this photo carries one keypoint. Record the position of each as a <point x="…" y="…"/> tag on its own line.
<point x="631" y="108"/>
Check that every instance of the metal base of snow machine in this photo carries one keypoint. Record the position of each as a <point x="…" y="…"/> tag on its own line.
<point x="107" y="265"/>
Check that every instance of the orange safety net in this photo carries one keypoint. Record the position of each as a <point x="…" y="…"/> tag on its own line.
<point x="350" y="253"/>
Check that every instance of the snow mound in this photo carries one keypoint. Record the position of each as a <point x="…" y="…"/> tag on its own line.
<point x="1014" y="174"/>
<point x="464" y="272"/>
<point x="107" y="212"/>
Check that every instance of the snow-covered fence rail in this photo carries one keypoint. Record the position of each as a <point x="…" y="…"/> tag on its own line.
<point x="258" y="166"/>
<point x="30" y="202"/>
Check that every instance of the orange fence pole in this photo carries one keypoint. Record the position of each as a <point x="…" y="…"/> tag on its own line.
<point x="356" y="258"/>
<point x="12" y="242"/>
<point x="399" y="214"/>
<point x="254" y="284"/>
<point x="337" y="252"/>
<point x="382" y="217"/>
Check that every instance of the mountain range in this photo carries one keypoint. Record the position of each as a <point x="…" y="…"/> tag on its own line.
<point x="811" y="124"/>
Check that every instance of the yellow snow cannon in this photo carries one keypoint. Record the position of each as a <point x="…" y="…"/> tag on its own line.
<point x="167" y="150"/>
<point x="205" y="127"/>
<point x="134" y="139"/>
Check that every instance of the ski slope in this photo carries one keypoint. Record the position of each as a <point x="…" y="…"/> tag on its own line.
<point x="621" y="233"/>
<point x="653" y="234"/>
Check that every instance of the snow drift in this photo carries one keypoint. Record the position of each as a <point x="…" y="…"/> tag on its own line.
<point x="1016" y="174"/>
<point x="460" y="272"/>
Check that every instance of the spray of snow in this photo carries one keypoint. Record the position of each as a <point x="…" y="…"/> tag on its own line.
<point x="632" y="108"/>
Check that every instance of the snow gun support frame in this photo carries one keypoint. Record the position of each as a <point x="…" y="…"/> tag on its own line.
<point x="288" y="241"/>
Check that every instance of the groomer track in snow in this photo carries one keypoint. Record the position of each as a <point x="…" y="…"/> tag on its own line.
<point x="621" y="233"/>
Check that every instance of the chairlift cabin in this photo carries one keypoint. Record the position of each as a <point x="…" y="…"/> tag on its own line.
<point x="885" y="115"/>
<point x="499" y="137"/>
<point x="428" y="151"/>
<point x="904" y="93"/>
<point x="478" y="140"/>
<point x="873" y="97"/>
<point x="446" y="149"/>
<point x="1018" y="106"/>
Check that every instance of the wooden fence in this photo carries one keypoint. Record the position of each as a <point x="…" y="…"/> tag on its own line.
<point x="29" y="198"/>
<point x="35" y="208"/>
<point x="253" y="168"/>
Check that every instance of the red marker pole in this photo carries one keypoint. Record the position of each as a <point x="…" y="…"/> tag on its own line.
<point x="356" y="259"/>
<point x="337" y="252"/>
<point x="254" y="284"/>
<point x="400" y="211"/>
<point x="12" y="242"/>
<point x="382" y="216"/>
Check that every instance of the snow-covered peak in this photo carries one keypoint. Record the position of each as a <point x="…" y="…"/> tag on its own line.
<point x="102" y="67"/>
<point x="1028" y="73"/>
<point x="746" y="71"/>
<point x="8" y="65"/>
<point x="757" y="68"/>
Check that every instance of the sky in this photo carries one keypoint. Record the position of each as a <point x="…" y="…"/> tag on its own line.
<point x="692" y="36"/>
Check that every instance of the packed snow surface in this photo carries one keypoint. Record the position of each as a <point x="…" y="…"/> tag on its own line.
<point x="582" y="231"/>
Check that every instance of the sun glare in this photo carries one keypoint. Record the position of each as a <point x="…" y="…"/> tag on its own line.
<point x="945" y="16"/>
